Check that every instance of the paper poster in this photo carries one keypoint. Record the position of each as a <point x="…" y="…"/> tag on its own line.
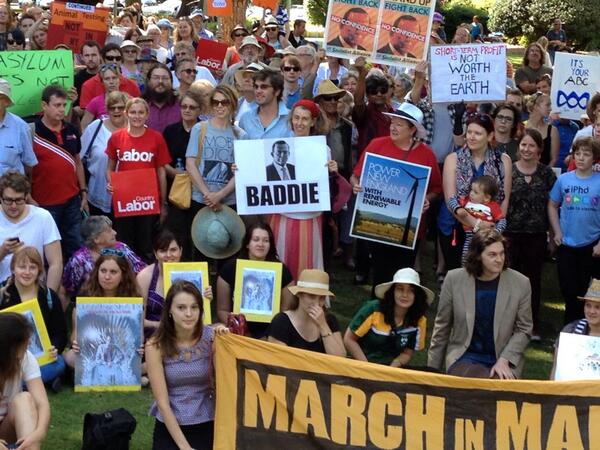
<point x="578" y="357"/>
<point x="72" y="24"/>
<point x="39" y="342"/>
<point x="388" y="210"/>
<point x="29" y="72"/>
<point x="257" y="289"/>
<point x="109" y="334"/>
<point x="281" y="175"/>
<point x="468" y="72"/>
<point x="221" y="8"/>
<point x="211" y="54"/>
<point x="135" y="193"/>
<point x="403" y="32"/>
<point x="574" y="80"/>
<point x="194" y="272"/>
<point x="350" y="28"/>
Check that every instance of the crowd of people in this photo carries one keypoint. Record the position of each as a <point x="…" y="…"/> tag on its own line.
<point x="494" y="205"/>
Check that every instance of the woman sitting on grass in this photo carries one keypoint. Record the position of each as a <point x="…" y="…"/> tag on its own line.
<point x="389" y="330"/>
<point x="24" y="416"/>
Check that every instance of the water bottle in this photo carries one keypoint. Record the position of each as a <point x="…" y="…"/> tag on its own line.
<point x="179" y="164"/>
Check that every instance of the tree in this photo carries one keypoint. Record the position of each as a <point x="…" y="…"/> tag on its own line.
<point x="317" y="11"/>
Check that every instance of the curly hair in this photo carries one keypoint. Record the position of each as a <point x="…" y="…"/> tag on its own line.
<point x="127" y="287"/>
<point x="414" y="313"/>
<point x="481" y="240"/>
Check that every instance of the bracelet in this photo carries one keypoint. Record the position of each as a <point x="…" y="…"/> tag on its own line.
<point x="327" y="335"/>
<point x="83" y="190"/>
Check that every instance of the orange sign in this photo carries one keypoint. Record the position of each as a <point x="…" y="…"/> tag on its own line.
<point x="73" y="23"/>
<point x="219" y="8"/>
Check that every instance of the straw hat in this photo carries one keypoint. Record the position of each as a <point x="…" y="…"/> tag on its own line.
<point x="129" y="43"/>
<point x="312" y="281"/>
<point x="411" y="113"/>
<point x="406" y="276"/>
<point x="326" y="87"/>
<point x="218" y="234"/>
<point x="593" y="292"/>
<point x="250" y="40"/>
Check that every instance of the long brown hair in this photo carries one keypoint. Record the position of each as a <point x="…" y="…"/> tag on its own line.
<point x="481" y="240"/>
<point x="165" y="337"/>
<point x="127" y="287"/>
<point x="15" y="332"/>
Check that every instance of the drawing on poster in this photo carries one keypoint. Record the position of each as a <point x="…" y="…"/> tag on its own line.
<point x="193" y="277"/>
<point x="35" y="343"/>
<point x="257" y="291"/>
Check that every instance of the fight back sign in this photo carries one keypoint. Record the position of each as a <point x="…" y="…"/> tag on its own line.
<point x="284" y="175"/>
<point x="135" y="193"/>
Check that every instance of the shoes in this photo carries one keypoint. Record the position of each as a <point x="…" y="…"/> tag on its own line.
<point x="145" y="381"/>
<point x="56" y="385"/>
<point x="536" y="338"/>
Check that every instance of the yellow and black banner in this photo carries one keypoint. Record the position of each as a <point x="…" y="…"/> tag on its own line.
<point x="275" y="397"/>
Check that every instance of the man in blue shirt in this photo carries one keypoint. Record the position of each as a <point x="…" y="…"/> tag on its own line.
<point x="16" y="149"/>
<point x="198" y="18"/>
<point x="557" y="39"/>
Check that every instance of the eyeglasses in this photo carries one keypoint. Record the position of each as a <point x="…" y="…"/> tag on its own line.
<point x="223" y="102"/>
<point x="271" y="28"/>
<point x="189" y="71"/>
<point x="130" y="50"/>
<point x="116" y="108"/>
<point x="159" y="78"/>
<point x="17" y="201"/>
<point x="262" y="87"/>
<point x="188" y="107"/>
<point x="240" y="35"/>
<point x="113" y="58"/>
<point x="502" y="118"/>
<point x="177" y="55"/>
<point x="379" y="90"/>
<point x="112" y="252"/>
<point x="105" y="67"/>
<point x="291" y="69"/>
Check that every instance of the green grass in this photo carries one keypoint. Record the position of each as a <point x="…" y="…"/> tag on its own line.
<point x="69" y="408"/>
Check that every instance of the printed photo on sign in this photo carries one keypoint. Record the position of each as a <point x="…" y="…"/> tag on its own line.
<point x="578" y="357"/>
<point x="281" y="175"/>
<point x="35" y="343"/>
<point x="109" y="333"/>
<point x="351" y="28"/>
<point x="193" y="277"/>
<point x="194" y="272"/>
<point x="257" y="289"/>
<point x="389" y="207"/>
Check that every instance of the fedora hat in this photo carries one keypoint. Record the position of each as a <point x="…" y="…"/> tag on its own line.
<point x="250" y="40"/>
<point x="326" y="87"/>
<point x="411" y="113"/>
<point x="218" y="234"/>
<point x="312" y="281"/>
<point x="593" y="292"/>
<point x="406" y="276"/>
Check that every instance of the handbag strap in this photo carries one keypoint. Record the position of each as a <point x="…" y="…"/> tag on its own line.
<point x="203" y="130"/>
<point x="89" y="147"/>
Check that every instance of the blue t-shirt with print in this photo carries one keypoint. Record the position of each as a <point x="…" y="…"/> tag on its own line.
<point x="580" y="208"/>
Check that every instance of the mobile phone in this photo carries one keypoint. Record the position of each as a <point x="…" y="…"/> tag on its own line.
<point x="15" y="239"/>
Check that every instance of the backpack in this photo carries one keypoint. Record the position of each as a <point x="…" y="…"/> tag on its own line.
<point x="110" y="429"/>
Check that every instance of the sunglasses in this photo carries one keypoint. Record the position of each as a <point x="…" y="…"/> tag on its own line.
<point x="130" y="50"/>
<point x="240" y="35"/>
<point x="13" y="42"/>
<point x="291" y="69"/>
<point x="111" y="67"/>
<point x="330" y="98"/>
<point x="189" y="107"/>
<point x="215" y="102"/>
<point x="271" y="28"/>
<point x="112" y="252"/>
<point x="116" y="108"/>
<point x="113" y="58"/>
<point x="375" y="91"/>
<point x="190" y="71"/>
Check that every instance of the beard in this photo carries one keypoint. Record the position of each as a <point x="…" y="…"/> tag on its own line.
<point x="158" y="97"/>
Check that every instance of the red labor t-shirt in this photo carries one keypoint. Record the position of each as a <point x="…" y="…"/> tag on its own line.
<point x="148" y="151"/>
<point x="94" y="87"/>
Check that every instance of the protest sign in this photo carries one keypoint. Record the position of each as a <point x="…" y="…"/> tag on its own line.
<point x="222" y="8"/>
<point x="39" y="342"/>
<point x="403" y="31"/>
<point x="135" y="193"/>
<point x="350" y="28"/>
<point x="72" y="24"/>
<point x="275" y="396"/>
<point x="468" y="72"/>
<point x="282" y="175"/>
<point x="194" y="272"/>
<point x="266" y="4"/>
<point x="388" y="209"/>
<point x="577" y="357"/>
<point x="257" y="289"/>
<point x="575" y="79"/>
<point x="109" y="333"/>
<point x="211" y="54"/>
<point x="29" y="72"/>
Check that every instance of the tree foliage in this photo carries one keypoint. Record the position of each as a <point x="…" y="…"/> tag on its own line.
<point x="461" y="11"/>
<point x="317" y="11"/>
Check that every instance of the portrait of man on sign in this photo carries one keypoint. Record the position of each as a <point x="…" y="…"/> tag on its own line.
<point x="352" y="29"/>
<point x="405" y="38"/>
<point x="280" y="169"/>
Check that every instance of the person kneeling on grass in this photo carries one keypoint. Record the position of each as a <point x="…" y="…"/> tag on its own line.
<point x="24" y="416"/>
<point x="388" y="330"/>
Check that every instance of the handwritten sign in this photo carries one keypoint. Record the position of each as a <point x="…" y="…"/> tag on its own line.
<point x="72" y="24"/>
<point x="576" y="78"/>
<point x="468" y="73"/>
<point x="135" y="193"/>
<point x="29" y="72"/>
<point x="211" y="54"/>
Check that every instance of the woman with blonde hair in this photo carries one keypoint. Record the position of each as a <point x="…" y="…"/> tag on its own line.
<point x="185" y="31"/>
<point x="539" y="107"/>
<point x="38" y="34"/>
<point x="6" y="24"/>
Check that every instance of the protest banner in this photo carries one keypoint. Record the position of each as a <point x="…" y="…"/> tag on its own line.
<point x="350" y="28"/>
<point x="211" y="54"/>
<point x="194" y="272"/>
<point x="257" y="289"/>
<point x="274" y="396"/>
<point x="109" y="334"/>
<point x="468" y="72"/>
<point x="388" y="209"/>
<point x="575" y="79"/>
<point x="403" y="31"/>
<point x="29" y="72"/>
<point x="73" y="23"/>
<point x="39" y="342"/>
<point x="577" y="357"/>
<point x="135" y="193"/>
<point x="222" y="8"/>
<point x="266" y="4"/>
<point x="283" y="175"/>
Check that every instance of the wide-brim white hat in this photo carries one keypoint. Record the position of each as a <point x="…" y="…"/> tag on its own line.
<point x="406" y="276"/>
<point x="411" y="113"/>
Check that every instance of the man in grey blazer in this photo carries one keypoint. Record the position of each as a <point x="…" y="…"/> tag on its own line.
<point x="483" y="323"/>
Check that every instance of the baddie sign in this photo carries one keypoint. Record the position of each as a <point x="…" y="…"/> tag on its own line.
<point x="283" y="175"/>
<point x="135" y="193"/>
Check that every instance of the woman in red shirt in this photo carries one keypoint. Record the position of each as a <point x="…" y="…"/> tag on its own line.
<point x="133" y="148"/>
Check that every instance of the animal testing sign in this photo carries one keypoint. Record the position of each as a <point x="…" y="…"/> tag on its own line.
<point x="274" y="396"/>
<point x="72" y="24"/>
<point x="469" y="73"/>
<point x="283" y="175"/>
<point x="576" y="78"/>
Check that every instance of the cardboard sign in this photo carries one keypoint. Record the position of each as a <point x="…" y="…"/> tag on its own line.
<point x="29" y="72"/>
<point x="211" y="54"/>
<point x="389" y="207"/>
<point x="257" y="289"/>
<point x="283" y="175"/>
<point x="266" y="4"/>
<point x="577" y="357"/>
<point x="575" y="79"/>
<point x="222" y="8"/>
<point x="135" y="193"/>
<point x="194" y="272"/>
<point x="470" y="73"/>
<point x="72" y="24"/>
